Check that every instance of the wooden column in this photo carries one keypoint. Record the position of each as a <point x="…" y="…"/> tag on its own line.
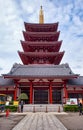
<point x="50" y="93"/>
<point x="31" y="92"/>
<point x="65" y="92"/>
<point x="7" y="91"/>
<point x="15" y="91"/>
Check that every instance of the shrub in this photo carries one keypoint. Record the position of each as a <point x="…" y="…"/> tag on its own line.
<point x="70" y="108"/>
<point x="12" y="108"/>
<point x="11" y="102"/>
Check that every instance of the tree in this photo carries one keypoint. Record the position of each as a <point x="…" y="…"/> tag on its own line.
<point x="23" y="96"/>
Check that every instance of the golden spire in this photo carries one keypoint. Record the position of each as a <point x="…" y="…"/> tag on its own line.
<point x="41" y="16"/>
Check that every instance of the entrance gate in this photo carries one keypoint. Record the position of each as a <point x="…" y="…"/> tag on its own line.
<point x="56" y="96"/>
<point x="40" y="96"/>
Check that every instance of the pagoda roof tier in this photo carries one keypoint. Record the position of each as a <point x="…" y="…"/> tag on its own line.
<point x="46" y="27"/>
<point x="32" y="46"/>
<point x="41" y="54"/>
<point x="19" y="71"/>
<point x="38" y="36"/>
<point x="30" y="57"/>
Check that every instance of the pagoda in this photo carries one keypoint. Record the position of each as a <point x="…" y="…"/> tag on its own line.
<point x="41" y="76"/>
<point x="41" y="45"/>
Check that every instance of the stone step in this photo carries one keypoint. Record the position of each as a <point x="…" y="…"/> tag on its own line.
<point x="43" y="108"/>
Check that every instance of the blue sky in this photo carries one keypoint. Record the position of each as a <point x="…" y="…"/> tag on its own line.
<point x="69" y="14"/>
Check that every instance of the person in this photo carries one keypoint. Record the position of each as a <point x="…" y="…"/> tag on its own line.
<point x="80" y="108"/>
<point x="22" y="105"/>
<point x="19" y="107"/>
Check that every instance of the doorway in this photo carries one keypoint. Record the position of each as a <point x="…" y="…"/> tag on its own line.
<point x="56" y="96"/>
<point x="40" y="96"/>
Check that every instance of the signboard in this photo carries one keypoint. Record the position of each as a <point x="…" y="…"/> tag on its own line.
<point x="7" y="103"/>
<point x="71" y="101"/>
<point x="15" y="103"/>
<point x="9" y="98"/>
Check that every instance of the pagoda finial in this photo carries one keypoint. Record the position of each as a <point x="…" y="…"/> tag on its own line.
<point x="41" y="16"/>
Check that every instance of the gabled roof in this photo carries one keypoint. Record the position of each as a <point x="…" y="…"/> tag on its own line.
<point x="6" y="82"/>
<point x="41" y="71"/>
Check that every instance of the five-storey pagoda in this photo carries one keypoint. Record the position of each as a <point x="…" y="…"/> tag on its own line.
<point x="41" y="76"/>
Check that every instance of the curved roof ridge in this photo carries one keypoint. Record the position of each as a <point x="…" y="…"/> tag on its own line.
<point x="14" y="67"/>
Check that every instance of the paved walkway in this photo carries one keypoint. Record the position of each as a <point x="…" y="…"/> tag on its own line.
<point x="39" y="121"/>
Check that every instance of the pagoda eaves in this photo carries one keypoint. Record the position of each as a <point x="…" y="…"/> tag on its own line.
<point x="31" y="57"/>
<point x="41" y="42"/>
<point x="33" y="46"/>
<point x="38" y="36"/>
<point x="46" y="27"/>
<point x="41" y="54"/>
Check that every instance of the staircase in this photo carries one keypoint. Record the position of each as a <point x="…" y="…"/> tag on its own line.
<point x="43" y="108"/>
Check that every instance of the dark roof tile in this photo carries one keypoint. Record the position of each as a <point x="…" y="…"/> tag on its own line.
<point x="6" y="82"/>
<point x="77" y="81"/>
<point x="40" y="70"/>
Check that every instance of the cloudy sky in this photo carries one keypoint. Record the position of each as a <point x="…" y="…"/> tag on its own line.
<point x="69" y="14"/>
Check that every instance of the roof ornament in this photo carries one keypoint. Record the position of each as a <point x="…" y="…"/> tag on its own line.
<point x="41" y="16"/>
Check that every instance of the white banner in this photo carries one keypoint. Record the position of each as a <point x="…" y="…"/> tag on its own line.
<point x="71" y="101"/>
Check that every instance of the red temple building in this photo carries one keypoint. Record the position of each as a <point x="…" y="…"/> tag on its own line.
<point x="41" y="76"/>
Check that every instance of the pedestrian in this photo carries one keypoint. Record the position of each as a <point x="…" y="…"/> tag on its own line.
<point x="19" y="107"/>
<point x="22" y="105"/>
<point x="80" y="108"/>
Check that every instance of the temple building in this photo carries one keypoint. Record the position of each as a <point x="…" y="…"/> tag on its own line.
<point x="42" y="76"/>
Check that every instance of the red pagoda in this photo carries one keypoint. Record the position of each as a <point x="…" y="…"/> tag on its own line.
<point x="41" y="76"/>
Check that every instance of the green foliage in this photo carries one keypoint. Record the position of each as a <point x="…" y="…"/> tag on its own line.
<point x="11" y="102"/>
<point x="70" y="108"/>
<point x="23" y="96"/>
<point x="12" y="108"/>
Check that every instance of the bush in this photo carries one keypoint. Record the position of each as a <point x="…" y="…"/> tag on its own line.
<point x="12" y="108"/>
<point x="11" y="102"/>
<point x="71" y="108"/>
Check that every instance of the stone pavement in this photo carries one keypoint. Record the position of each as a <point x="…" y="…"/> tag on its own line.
<point x="40" y="121"/>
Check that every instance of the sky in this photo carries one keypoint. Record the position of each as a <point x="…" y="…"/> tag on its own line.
<point x="69" y="14"/>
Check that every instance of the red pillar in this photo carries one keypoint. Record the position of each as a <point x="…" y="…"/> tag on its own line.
<point x="15" y="92"/>
<point x="50" y="93"/>
<point x="31" y="92"/>
<point x="65" y="92"/>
